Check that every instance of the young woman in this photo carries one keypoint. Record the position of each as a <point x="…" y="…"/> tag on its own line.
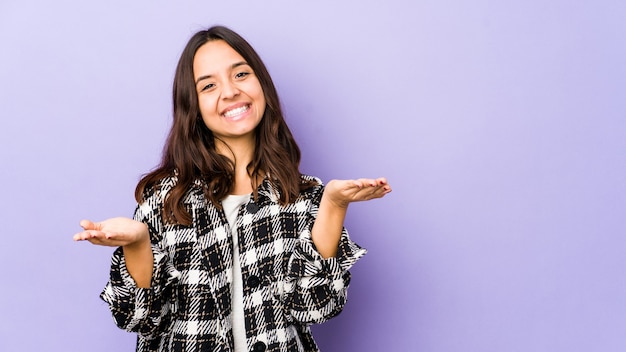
<point x="230" y="248"/>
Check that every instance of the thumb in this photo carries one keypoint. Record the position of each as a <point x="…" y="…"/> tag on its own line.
<point x="88" y="225"/>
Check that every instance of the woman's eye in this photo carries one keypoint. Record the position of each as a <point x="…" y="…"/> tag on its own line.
<point x="241" y="74"/>
<point x="208" y="86"/>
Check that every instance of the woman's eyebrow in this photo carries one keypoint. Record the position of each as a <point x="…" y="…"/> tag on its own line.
<point x="233" y="66"/>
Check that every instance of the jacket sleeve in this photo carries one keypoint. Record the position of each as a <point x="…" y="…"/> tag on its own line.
<point x="316" y="288"/>
<point x="146" y="311"/>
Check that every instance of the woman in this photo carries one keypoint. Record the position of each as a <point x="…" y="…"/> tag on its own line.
<point x="230" y="248"/>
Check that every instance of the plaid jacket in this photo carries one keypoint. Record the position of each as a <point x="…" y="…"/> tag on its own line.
<point x="287" y="284"/>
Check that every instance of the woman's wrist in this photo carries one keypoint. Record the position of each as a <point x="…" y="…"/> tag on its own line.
<point x="142" y="243"/>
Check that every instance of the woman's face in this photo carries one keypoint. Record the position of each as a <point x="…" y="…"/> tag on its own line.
<point x="230" y="96"/>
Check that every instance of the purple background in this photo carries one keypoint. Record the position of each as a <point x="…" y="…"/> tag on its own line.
<point x="500" y="125"/>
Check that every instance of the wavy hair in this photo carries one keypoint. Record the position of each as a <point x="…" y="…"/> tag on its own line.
<point x="189" y="153"/>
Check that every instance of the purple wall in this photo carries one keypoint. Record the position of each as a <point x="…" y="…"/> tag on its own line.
<point x="502" y="129"/>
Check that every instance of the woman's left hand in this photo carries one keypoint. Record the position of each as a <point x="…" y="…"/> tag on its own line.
<point x="343" y="192"/>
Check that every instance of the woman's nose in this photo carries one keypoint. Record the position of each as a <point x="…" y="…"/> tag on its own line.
<point x="229" y="90"/>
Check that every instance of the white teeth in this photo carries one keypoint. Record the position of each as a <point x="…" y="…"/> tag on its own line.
<point x="236" y="111"/>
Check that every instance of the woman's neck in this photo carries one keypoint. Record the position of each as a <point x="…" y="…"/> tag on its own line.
<point x="241" y="152"/>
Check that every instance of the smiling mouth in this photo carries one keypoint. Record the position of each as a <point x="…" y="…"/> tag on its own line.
<point x="236" y="111"/>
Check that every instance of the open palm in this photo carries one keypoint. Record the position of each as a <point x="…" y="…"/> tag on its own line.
<point x="344" y="192"/>
<point x="112" y="232"/>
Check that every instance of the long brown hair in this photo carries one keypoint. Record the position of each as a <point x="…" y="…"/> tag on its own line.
<point x="189" y="153"/>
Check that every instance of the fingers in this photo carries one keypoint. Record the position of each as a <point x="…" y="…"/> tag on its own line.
<point x="372" y="190"/>
<point x="89" y="234"/>
<point x="360" y="189"/>
<point x="93" y="231"/>
<point x="372" y="182"/>
<point x="101" y="238"/>
<point x="375" y="184"/>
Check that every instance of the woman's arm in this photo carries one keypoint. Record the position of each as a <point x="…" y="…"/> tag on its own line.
<point x="338" y="194"/>
<point x="318" y="274"/>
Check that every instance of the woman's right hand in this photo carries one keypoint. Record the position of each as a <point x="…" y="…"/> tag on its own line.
<point x="114" y="232"/>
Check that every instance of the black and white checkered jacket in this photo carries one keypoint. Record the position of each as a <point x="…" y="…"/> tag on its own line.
<point x="287" y="284"/>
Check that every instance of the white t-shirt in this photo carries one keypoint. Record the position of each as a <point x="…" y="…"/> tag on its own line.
<point x="231" y="206"/>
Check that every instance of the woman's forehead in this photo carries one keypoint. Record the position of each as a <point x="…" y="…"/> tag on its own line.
<point x="216" y="56"/>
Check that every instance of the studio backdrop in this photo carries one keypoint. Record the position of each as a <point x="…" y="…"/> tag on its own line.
<point x="501" y="127"/>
